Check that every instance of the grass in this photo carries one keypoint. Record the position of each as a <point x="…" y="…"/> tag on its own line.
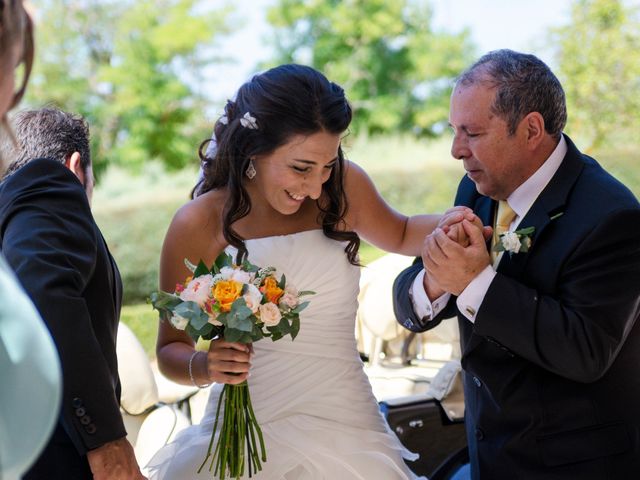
<point x="143" y="321"/>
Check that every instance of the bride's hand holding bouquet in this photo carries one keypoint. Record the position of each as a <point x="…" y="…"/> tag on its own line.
<point x="238" y="304"/>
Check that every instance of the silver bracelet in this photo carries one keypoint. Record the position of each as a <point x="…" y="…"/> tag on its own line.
<point x="193" y="380"/>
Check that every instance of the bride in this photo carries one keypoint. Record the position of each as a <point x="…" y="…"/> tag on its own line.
<point x="278" y="190"/>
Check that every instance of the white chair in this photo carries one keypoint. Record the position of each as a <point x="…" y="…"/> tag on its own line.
<point x="377" y="329"/>
<point x="151" y="416"/>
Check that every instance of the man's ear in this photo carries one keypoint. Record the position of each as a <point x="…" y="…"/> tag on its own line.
<point x="73" y="163"/>
<point x="534" y="125"/>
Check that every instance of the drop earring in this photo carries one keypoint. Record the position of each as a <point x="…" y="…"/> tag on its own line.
<point x="250" y="172"/>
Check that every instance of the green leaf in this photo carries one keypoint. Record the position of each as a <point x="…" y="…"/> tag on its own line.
<point x="163" y="300"/>
<point x="306" y="292"/>
<point x="201" y="269"/>
<point x="207" y="332"/>
<point x="300" y="307"/>
<point x="223" y="260"/>
<point x="192" y="312"/>
<point x="282" y="282"/>
<point x="240" y="317"/>
<point x="525" y="232"/>
<point x="257" y="333"/>
<point x="295" y="327"/>
<point x="249" y="267"/>
<point x="238" y="336"/>
<point x="190" y="266"/>
<point x="192" y="332"/>
<point x="239" y="309"/>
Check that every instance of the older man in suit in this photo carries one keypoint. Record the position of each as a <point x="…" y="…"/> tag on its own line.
<point x="549" y="326"/>
<point x="49" y="237"/>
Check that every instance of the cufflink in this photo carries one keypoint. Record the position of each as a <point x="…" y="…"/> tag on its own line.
<point x="470" y="310"/>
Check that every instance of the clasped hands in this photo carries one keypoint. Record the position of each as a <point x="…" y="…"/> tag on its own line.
<point x="455" y="252"/>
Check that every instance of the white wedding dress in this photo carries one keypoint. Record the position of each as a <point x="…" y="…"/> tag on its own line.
<point x="311" y="396"/>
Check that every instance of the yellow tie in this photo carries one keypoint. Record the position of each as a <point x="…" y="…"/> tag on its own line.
<point x="504" y="216"/>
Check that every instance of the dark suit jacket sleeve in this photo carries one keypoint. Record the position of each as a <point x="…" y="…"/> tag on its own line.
<point x="577" y="332"/>
<point x="49" y="239"/>
<point x="403" y="306"/>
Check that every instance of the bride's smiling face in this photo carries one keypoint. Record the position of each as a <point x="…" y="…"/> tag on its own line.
<point x="295" y="171"/>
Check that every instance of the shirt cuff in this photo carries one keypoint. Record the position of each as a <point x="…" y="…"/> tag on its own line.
<point x="471" y="298"/>
<point x="422" y="306"/>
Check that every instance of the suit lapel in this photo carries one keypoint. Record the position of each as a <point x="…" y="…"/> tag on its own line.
<point x="548" y="206"/>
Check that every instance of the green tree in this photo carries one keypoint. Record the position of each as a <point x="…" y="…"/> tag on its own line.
<point x="396" y="70"/>
<point x="599" y="62"/>
<point x="130" y="68"/>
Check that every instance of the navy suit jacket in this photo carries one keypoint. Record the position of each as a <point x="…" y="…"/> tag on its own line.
<point x="551" y="364"/>
<point x="50" y="239"/>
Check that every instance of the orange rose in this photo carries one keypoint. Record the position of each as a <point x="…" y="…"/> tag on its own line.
<point x="226" y="292"/>
<point x="271" y="290"/>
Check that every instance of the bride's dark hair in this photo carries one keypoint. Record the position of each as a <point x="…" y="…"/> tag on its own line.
<point x="285" y="101"/>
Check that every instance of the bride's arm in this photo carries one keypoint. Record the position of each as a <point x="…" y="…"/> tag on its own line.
<point x="379" y="224"/>
<point x="192" y="236"/>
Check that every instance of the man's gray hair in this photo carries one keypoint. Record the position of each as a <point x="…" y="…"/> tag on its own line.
<point x="47" y="133"/>
<point x="523" y="84"/>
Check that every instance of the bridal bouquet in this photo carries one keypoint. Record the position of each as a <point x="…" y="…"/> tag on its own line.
<point x="241" y="304"/>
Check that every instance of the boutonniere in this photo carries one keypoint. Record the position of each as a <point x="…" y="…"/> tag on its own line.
<point x="516" y="241"/>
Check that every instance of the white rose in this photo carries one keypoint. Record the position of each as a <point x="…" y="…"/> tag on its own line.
<point x="179" y="322"/>
<point x="289" y="300"/>
<point x="229" y="273"/>
<point x="270" y="314"/>
<point x="198" y="290"/>
<point x="225" y="273"/>
<point x="253" y="297"/>
<point x="511" y="242"/>
<point x="291" y="290"/>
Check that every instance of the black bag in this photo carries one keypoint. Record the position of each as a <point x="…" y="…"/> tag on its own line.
<point x="423" y="427"/>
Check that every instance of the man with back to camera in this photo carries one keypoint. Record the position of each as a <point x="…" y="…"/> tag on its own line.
<point x="50" y="239"/>
<point x="550" y="334"/>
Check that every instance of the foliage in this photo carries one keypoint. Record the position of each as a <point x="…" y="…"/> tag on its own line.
<point x="134" y="213"/>
<point x="396" y="70"/>
<point x="128" y="67"/>
<point x="599" y="62"/>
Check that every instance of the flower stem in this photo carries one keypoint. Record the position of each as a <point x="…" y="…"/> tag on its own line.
<point x="239" y="429"/>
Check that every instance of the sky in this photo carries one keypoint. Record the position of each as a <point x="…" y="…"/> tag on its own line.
<point x="515" y="24"/>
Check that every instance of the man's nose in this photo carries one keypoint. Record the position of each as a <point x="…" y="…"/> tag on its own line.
<point x="459" y="148"/>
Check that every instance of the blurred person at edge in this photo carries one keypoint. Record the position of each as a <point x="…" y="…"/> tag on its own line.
<point x="29" y="365"/>
<point x="65" y="266"/>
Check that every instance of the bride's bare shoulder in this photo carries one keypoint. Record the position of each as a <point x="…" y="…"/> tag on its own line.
<point x="199" y="221"/>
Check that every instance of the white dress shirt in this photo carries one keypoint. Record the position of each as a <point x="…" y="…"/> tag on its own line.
<point x="520" y="201"/>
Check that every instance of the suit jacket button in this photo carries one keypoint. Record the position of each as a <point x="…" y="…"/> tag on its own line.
<point x="80" y="411"/>
<point x="76" y="402"/>
<point x="86" y="420"/>
<point x="479" y="434"/>
<point x="90" y="429"/>
<point x="477" y="381"/>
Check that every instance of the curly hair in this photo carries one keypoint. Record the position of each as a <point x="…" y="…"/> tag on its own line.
<point x="286" y="101"/>
<point x="16" y="29"/>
